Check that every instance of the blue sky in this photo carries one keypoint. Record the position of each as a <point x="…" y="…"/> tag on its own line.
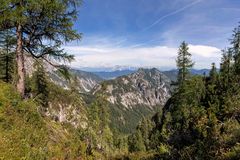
<point x="146" y="33"/>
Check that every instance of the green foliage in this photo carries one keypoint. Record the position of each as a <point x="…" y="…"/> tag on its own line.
<point x="226" y="70"/>
<point x="120" y="142"/>
<point x="136" y="142"/>
<point x="121" y="123"/>
<point x="42" y="20"/>
<point x="213" y="74"/>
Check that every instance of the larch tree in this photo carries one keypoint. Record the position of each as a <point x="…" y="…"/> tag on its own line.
<point x="40" y="27"/>
<point x="184" y="62"/>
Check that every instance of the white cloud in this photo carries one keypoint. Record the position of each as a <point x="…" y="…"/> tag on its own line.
<point x="204" y="51"/>
<point x="157" y="56"/>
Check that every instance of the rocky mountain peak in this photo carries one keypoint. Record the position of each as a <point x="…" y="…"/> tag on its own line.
<point x="147" y="87"/>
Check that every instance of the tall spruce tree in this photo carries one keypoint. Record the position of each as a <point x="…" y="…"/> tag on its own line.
<point x="213" y="73"/>
<point x="236" y="49"/>
<point x="226" y="68"/>
<point x="184" y="62"/>
<point x="40" y="29"/>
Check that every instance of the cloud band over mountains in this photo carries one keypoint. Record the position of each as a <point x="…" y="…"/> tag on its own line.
<point x="157" y="56"/>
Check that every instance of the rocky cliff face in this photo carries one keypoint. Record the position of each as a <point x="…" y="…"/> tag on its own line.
<point x="136" y="95"/>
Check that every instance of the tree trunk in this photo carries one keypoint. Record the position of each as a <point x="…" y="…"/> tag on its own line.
<point x="7" y="69"/>
<point x="20" y="63"/>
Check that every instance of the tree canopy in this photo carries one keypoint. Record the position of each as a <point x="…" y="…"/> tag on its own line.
<point x="40" y="27"/>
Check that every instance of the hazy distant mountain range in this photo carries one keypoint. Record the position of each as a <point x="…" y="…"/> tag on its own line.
<point x="88" y="80"/>
<point x="113" y="74"/>
<point x="172" y="74"/>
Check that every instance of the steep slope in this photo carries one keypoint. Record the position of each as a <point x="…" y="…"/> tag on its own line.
<point x="136" y="95"/>
<point x="86" y="81"/>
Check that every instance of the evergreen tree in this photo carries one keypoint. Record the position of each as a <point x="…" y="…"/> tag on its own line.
<point x="145" y="128"/>
<point x="213" y="74"/>
<point x="120" y="141"/>
<point x="184" y="63"/>
<point x="226" y="64"/>
<point x="40" y="84"/>
<point x="136" y="142"/>
<point x="236" y="49"/>
<point x="7" y="58"/>
<point x="202" y="118"/>
<point x="212" y="89"/>
<point x="226" y="70"/>
<point x="36" y="22"/>
<point x="101" y="135"/>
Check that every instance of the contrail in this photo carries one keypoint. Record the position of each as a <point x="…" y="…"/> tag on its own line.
<point x="142" y="44"/>
<point x="170" y="14"/>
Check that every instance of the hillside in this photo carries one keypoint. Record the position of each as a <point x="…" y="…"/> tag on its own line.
<point x="63" y="128"/>
<point x="26" y="134"/>
<point x="85" y="81"/>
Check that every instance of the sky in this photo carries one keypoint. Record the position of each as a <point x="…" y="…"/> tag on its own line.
<point x="147" y="33"/>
